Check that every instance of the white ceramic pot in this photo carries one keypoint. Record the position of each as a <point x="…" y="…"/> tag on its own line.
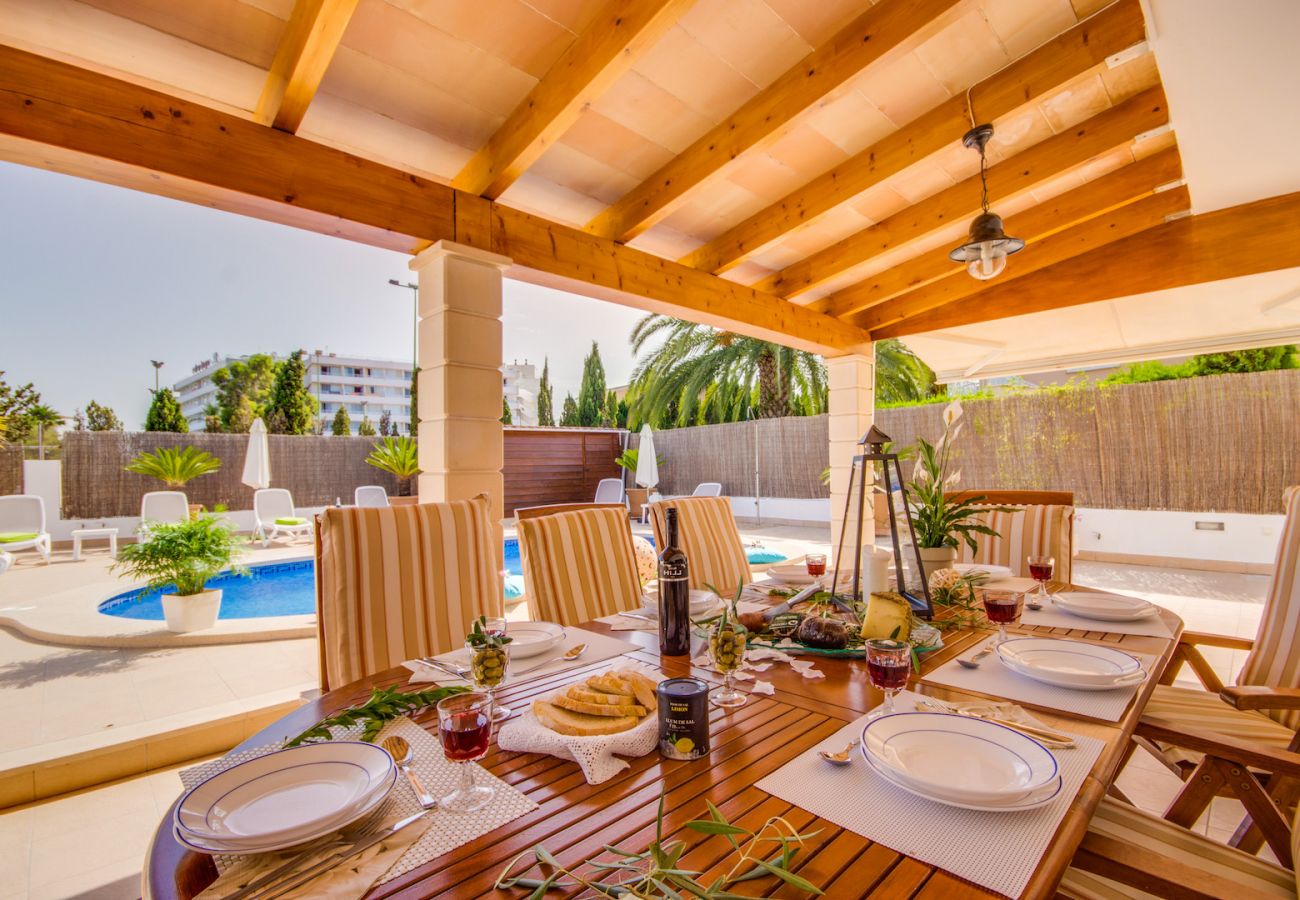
<point x="193" y="613"/>
<point x="936" y="558"/>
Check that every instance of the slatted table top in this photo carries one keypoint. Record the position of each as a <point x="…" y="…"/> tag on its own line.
<point x="575" y="819"/>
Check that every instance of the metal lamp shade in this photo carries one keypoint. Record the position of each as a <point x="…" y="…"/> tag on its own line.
<point x="986" y="229"/>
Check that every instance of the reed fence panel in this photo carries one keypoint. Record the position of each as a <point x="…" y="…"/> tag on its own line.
<point x="11" y="469"/>
<point x="315" y="469"/>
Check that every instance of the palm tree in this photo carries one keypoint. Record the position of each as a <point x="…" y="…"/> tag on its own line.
<point x="701" y="375"/>
<point x="42" y="416"/>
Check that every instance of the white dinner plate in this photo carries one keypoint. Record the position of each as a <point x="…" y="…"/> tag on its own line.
<point x="793" y="573"/>
<point x="528" y="639"/>
<point x="958" y="757"/>
<point x="1105" y="607"/>
<point x="287" y="794"/>
<point x="1040" y="797"/>
<point x="701" y="602"/>
<point x="994" y="572"/>
<point x="1071" y="664"/>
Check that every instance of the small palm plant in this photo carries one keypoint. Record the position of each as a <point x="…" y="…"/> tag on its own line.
<point x="184" y="554"/>
<point x="398" y="456"/>
<point x="174" y="467"/>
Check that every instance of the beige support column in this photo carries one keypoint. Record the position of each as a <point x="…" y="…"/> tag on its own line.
<point x="851" y="406"/>
<point x="461" y="439"/>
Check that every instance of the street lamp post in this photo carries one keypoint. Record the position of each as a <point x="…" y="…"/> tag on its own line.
<point x="157" y="365"/>
<point x="415" y="332"/>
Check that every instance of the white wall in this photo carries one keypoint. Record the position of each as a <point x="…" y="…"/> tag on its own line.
<point x="815" y="511"/>
<point x="44" y="478"/>
<point x="1244" y="538"/>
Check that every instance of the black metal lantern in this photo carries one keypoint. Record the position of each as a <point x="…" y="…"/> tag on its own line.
<point x="863" y="477"/>
<point x="987" y="246"/>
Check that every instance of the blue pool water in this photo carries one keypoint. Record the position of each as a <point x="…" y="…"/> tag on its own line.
<point x="287" y="589"/>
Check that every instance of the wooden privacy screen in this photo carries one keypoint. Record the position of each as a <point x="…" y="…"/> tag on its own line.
<point x="557" y="465"/>
<point x="315" y="469"/>
<point x="11" y="469"/>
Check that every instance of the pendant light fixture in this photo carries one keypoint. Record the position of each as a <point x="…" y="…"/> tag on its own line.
<point x="987" y="247"/>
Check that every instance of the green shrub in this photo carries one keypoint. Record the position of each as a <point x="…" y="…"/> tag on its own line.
<point x="184" y="554"/>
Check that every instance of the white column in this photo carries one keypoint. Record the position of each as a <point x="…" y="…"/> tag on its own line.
<point x="851" y="406"/>
<point x="461" y="439"/>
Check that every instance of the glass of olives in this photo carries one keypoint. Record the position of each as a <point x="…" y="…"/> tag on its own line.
<point x="489" y="648"/>
<point x="727" y="650"/>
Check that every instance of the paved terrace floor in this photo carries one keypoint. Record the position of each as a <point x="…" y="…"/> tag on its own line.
<point x="91" y="843"/>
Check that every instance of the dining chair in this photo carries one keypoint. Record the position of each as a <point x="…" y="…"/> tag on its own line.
<point x="1131" y="853"/>
<point x="578" y="564"/>
<point x="399" y="582"/>
<point x="370" y="495"/>
<point x="1039" y="523"/>
<point x="162" y="508"/>
<point x="1197" y="733"/>
<point x="706" y="531"/>
<point x="609" y="490"/>
<point x="707" y="489"/>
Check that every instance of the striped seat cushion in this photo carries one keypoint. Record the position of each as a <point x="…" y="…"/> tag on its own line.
<point x="1275" y="659"/>
<point x="1196" y="709"/>
<point x="707" y="533"/>
<point x="579" y="565"/>
<point x="1132" y="826"/>
<point x="394" y="583"/>
<point x="1030" y="530"/>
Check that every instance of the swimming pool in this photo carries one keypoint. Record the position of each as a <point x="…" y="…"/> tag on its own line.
<point x="288" y="589"/>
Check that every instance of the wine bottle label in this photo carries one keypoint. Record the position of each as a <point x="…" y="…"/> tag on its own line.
<point x="672" y="572"/>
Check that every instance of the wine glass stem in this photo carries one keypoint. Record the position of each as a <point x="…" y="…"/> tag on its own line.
<point x="728" y="684"/>
<point x="466" y="778"/>
<point x="1002" y="633"/>
<point x="889" y="700"/>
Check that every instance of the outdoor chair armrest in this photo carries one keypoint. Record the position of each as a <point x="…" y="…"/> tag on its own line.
<point x="1214" y="743"/>
<point x="1261" y="697"/>
<point x="1202" y="639"/>
<point x="1151" y="872"/>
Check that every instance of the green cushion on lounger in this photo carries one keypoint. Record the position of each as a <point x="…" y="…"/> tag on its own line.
<point x="13" y="537"/>
<point x="291" y="520"/>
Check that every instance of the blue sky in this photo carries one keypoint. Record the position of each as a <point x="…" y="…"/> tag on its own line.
<point x="96" y="280"/>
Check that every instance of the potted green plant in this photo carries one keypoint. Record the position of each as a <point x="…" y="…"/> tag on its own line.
<point x="398" y="456"/>
<point x="637" y="496"/>
<point x="940" y="522"/>
<point x="179" y="559"/>
<point x="175" y="466"/>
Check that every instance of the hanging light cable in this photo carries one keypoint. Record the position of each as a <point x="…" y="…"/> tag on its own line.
<point x="987" y="246"/>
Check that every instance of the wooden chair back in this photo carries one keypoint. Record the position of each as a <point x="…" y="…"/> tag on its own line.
<point x="1274" y="661"/>
<point x="579" y="564"/>
<point x="399" y="582"/>
<point x="707" y="532"/>
<point x="1018" y="498"/>
<point x="1042" y="524"/>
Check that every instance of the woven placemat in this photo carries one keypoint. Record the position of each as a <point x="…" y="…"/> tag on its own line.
<point x="996" y="850"/>
<point x="447" y="831"/>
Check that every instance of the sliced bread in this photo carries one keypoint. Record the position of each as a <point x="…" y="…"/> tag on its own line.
<point x="598" y="709"/>
<point x="564" y="721"/>
<point x="578" y="693"/>
<point x="643" y="688"/>
<point x="610" y="684"/>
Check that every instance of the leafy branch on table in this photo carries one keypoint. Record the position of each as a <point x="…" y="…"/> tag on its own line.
<point x="654" y="874"/>
<point x="384" y="705"/>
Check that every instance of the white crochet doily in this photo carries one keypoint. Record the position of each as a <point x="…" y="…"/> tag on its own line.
<point x="595" y="755"/>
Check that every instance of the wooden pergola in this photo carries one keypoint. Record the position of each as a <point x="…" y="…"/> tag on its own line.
<point x="779" y="168"/>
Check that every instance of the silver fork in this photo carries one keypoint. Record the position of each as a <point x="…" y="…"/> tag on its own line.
<point x="434" y="663"/>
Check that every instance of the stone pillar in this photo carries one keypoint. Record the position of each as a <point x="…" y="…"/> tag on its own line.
<point x="461" y="439"/>
<point x="851" y="406"/>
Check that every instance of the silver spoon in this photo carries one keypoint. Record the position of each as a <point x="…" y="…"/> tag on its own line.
<point x="571" y="654"/>
<point x="402" y="754"/>
<point x="972" y="662"/>
<point x="843" y="758"/>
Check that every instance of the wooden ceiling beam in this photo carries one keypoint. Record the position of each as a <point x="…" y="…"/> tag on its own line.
<point x="1059" y="153"/>
<point x="882" y="28"/>
<point x="1114" y="29"/>
<point x="605" y="51"/>
<point x="1087" y="235"/>
<point x="1262" y="236"/>
<point x="311" y="36"/>
<point x="1122" y="186"/>
<point x="70" y="119"/>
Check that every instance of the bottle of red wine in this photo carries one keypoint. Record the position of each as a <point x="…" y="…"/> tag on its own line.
<point x="674" y="594"/>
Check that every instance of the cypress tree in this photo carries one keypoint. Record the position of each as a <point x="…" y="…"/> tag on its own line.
<point x="366" y="428"/>
<point x="545" y="410"/>
<point x="609" y="416"/>
<point x="591" y="394"/>
<point x="342" y="422"/>
<point x="506" y="418"/>
<point x="102" y="418"/>
<point x="164" y="414"/>
<point x="569" y="414"/>
<point x="290" y="409"/>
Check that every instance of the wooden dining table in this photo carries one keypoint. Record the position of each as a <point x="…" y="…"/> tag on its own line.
<point x="575" y="820"/>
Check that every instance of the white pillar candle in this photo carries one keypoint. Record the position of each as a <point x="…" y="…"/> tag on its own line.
<point x="875" y="569"/>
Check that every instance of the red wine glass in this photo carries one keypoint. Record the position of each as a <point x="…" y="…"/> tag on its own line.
<point x="1040" y="569"/>
<point x="889" y="663"/>
<point x="465" y="727"/>
<point x="816" y="563"/>
<point x="1002" y="609"/>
